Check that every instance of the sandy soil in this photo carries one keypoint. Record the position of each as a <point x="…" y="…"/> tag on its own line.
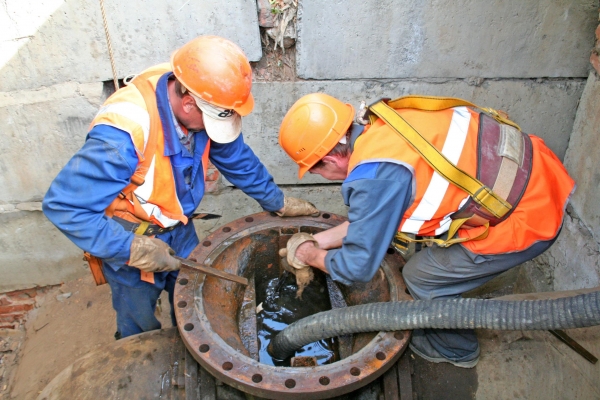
<point x="70" y="321"/>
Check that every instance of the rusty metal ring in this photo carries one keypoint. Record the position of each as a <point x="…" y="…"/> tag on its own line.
<point x="231" y="366"/>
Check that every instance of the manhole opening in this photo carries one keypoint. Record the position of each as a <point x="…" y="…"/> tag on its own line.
<point x="232" y="309"/>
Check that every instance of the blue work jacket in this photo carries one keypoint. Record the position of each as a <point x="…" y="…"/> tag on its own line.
<point x="91" y="180"/>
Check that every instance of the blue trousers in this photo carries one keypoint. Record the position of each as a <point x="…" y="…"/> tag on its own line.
<point x="135" y="305"/>
<point x="442" y="273"/>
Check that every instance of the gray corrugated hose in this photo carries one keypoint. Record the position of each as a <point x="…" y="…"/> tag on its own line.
<point x="564" y="313"/>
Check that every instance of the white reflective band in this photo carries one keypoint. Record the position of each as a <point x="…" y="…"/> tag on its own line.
<point x="436" y="190"/>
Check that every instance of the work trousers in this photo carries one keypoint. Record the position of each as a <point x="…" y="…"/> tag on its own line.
<point x="446" y="273"/>
<point x="135" y="306"/>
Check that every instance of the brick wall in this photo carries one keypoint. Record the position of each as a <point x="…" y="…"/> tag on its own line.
<point x="213" y="181"/>
<point x="14" y="306"/>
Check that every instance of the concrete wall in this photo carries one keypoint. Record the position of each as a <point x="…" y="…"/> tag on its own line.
<point x="574" y="260"/>
<point x="53" y="61"/>
<point x="445" y="38"/>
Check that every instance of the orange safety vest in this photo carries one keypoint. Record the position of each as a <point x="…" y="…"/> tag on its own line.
<point x="151" y="196"/>
<point x="454" y="132"/>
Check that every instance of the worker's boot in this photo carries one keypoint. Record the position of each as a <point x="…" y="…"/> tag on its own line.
<point x="421" y="346"/>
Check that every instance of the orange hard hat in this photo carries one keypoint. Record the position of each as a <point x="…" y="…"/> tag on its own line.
<point x="217" y="71"/>
<point x="312" y="127"/>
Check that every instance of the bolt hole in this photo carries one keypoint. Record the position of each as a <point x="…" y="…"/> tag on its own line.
<point x="380" y="356"/>
<point x="390" y="250"/>
<point x="206" y="243"/>
<point x="249" y="219"/>
<point x="290" y="384"/>
<point x="324" y="380"/>
<point x="227" y="229"/>
<point x="354" y="371"/>
<point x="183" y="281"/>
<point x="188" y="327"/>
<point x="182" y="304"/>
<point x="326" y="216"/>
<point x="399" y="335"/>
<point x="256" y="378"/>
<point x="227" y="366"/>
<point x="204" y="348"/>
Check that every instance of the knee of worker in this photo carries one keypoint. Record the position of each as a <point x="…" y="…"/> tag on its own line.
<point x="414" y="277"/>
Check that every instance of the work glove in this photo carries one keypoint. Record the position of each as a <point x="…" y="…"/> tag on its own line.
<point x="293" y="207"/>
<point x="303" y="272"/>
<point x="152" y="255"/>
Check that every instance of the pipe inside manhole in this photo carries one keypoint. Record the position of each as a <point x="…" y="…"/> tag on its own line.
<point x="218" y="322"/>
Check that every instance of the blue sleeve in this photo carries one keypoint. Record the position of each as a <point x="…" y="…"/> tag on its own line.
<point x="238" y="163"/>
<point x="91" y="180"/>
<point x="378" y="195"/>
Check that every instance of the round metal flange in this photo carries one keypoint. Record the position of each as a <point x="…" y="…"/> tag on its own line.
<point x="206" y="311"/>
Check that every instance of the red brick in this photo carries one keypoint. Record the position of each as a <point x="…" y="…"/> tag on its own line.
<point x="211" y="187"/>
<point x="598" y="33"/>
<point x="23" y="294"/>
<point x="10" y="318"/>
<point x="9" y="326"/>
<point x="265" y="16"/>
<point x="15" y="308"/>
<point x="4" y="301"/>
<point x="212" y="175"/>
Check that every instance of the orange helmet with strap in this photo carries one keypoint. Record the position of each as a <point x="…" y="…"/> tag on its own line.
<point x="216" y="70"/>
<point x="312" y="128"/>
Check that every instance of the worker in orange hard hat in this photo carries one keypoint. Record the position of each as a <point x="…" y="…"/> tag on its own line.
<point x="484" y="196"/>
<point x="127" y="196"/>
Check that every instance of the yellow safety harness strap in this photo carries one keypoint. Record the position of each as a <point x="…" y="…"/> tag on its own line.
<point x="454" y="227"/>
<point x="480" y="193"/>
<point x="435" y="103"/>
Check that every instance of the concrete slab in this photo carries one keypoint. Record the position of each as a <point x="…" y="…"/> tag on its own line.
<point x="45" y="128"/>
<point x="35" y="253"/>
<point x="536" y="365"/>
<point x="49" y="125"/>
<point x="66" y="41"/>
<point x="498" y="38"/>
<point x="582" y="158"/>
<point x="574" y="260"/>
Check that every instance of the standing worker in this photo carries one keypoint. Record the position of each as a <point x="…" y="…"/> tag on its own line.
<point x="127" y="196"/>
<point x="485" y="196"/>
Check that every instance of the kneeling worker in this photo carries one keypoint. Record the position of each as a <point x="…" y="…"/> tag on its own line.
<point x="485" y="196"/>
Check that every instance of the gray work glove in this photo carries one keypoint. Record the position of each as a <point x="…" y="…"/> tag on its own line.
<point x="293" y="207"/>
<point x="152" y="255"/>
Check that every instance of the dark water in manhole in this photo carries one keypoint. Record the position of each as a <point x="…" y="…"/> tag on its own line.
<point x="281" y="308"/>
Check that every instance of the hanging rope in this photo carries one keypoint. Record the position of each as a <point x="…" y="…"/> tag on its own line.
<point x="110" y="51"/>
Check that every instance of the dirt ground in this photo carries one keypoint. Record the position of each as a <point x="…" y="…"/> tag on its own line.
<point x="70" y="321"/>
<point x="77" y="317"/>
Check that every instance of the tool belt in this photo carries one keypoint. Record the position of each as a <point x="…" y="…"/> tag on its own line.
<point x="140" y="227"/>
<point x="505" y="156"/>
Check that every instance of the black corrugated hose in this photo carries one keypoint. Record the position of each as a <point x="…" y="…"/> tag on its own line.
<point x="563" y="313"/>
